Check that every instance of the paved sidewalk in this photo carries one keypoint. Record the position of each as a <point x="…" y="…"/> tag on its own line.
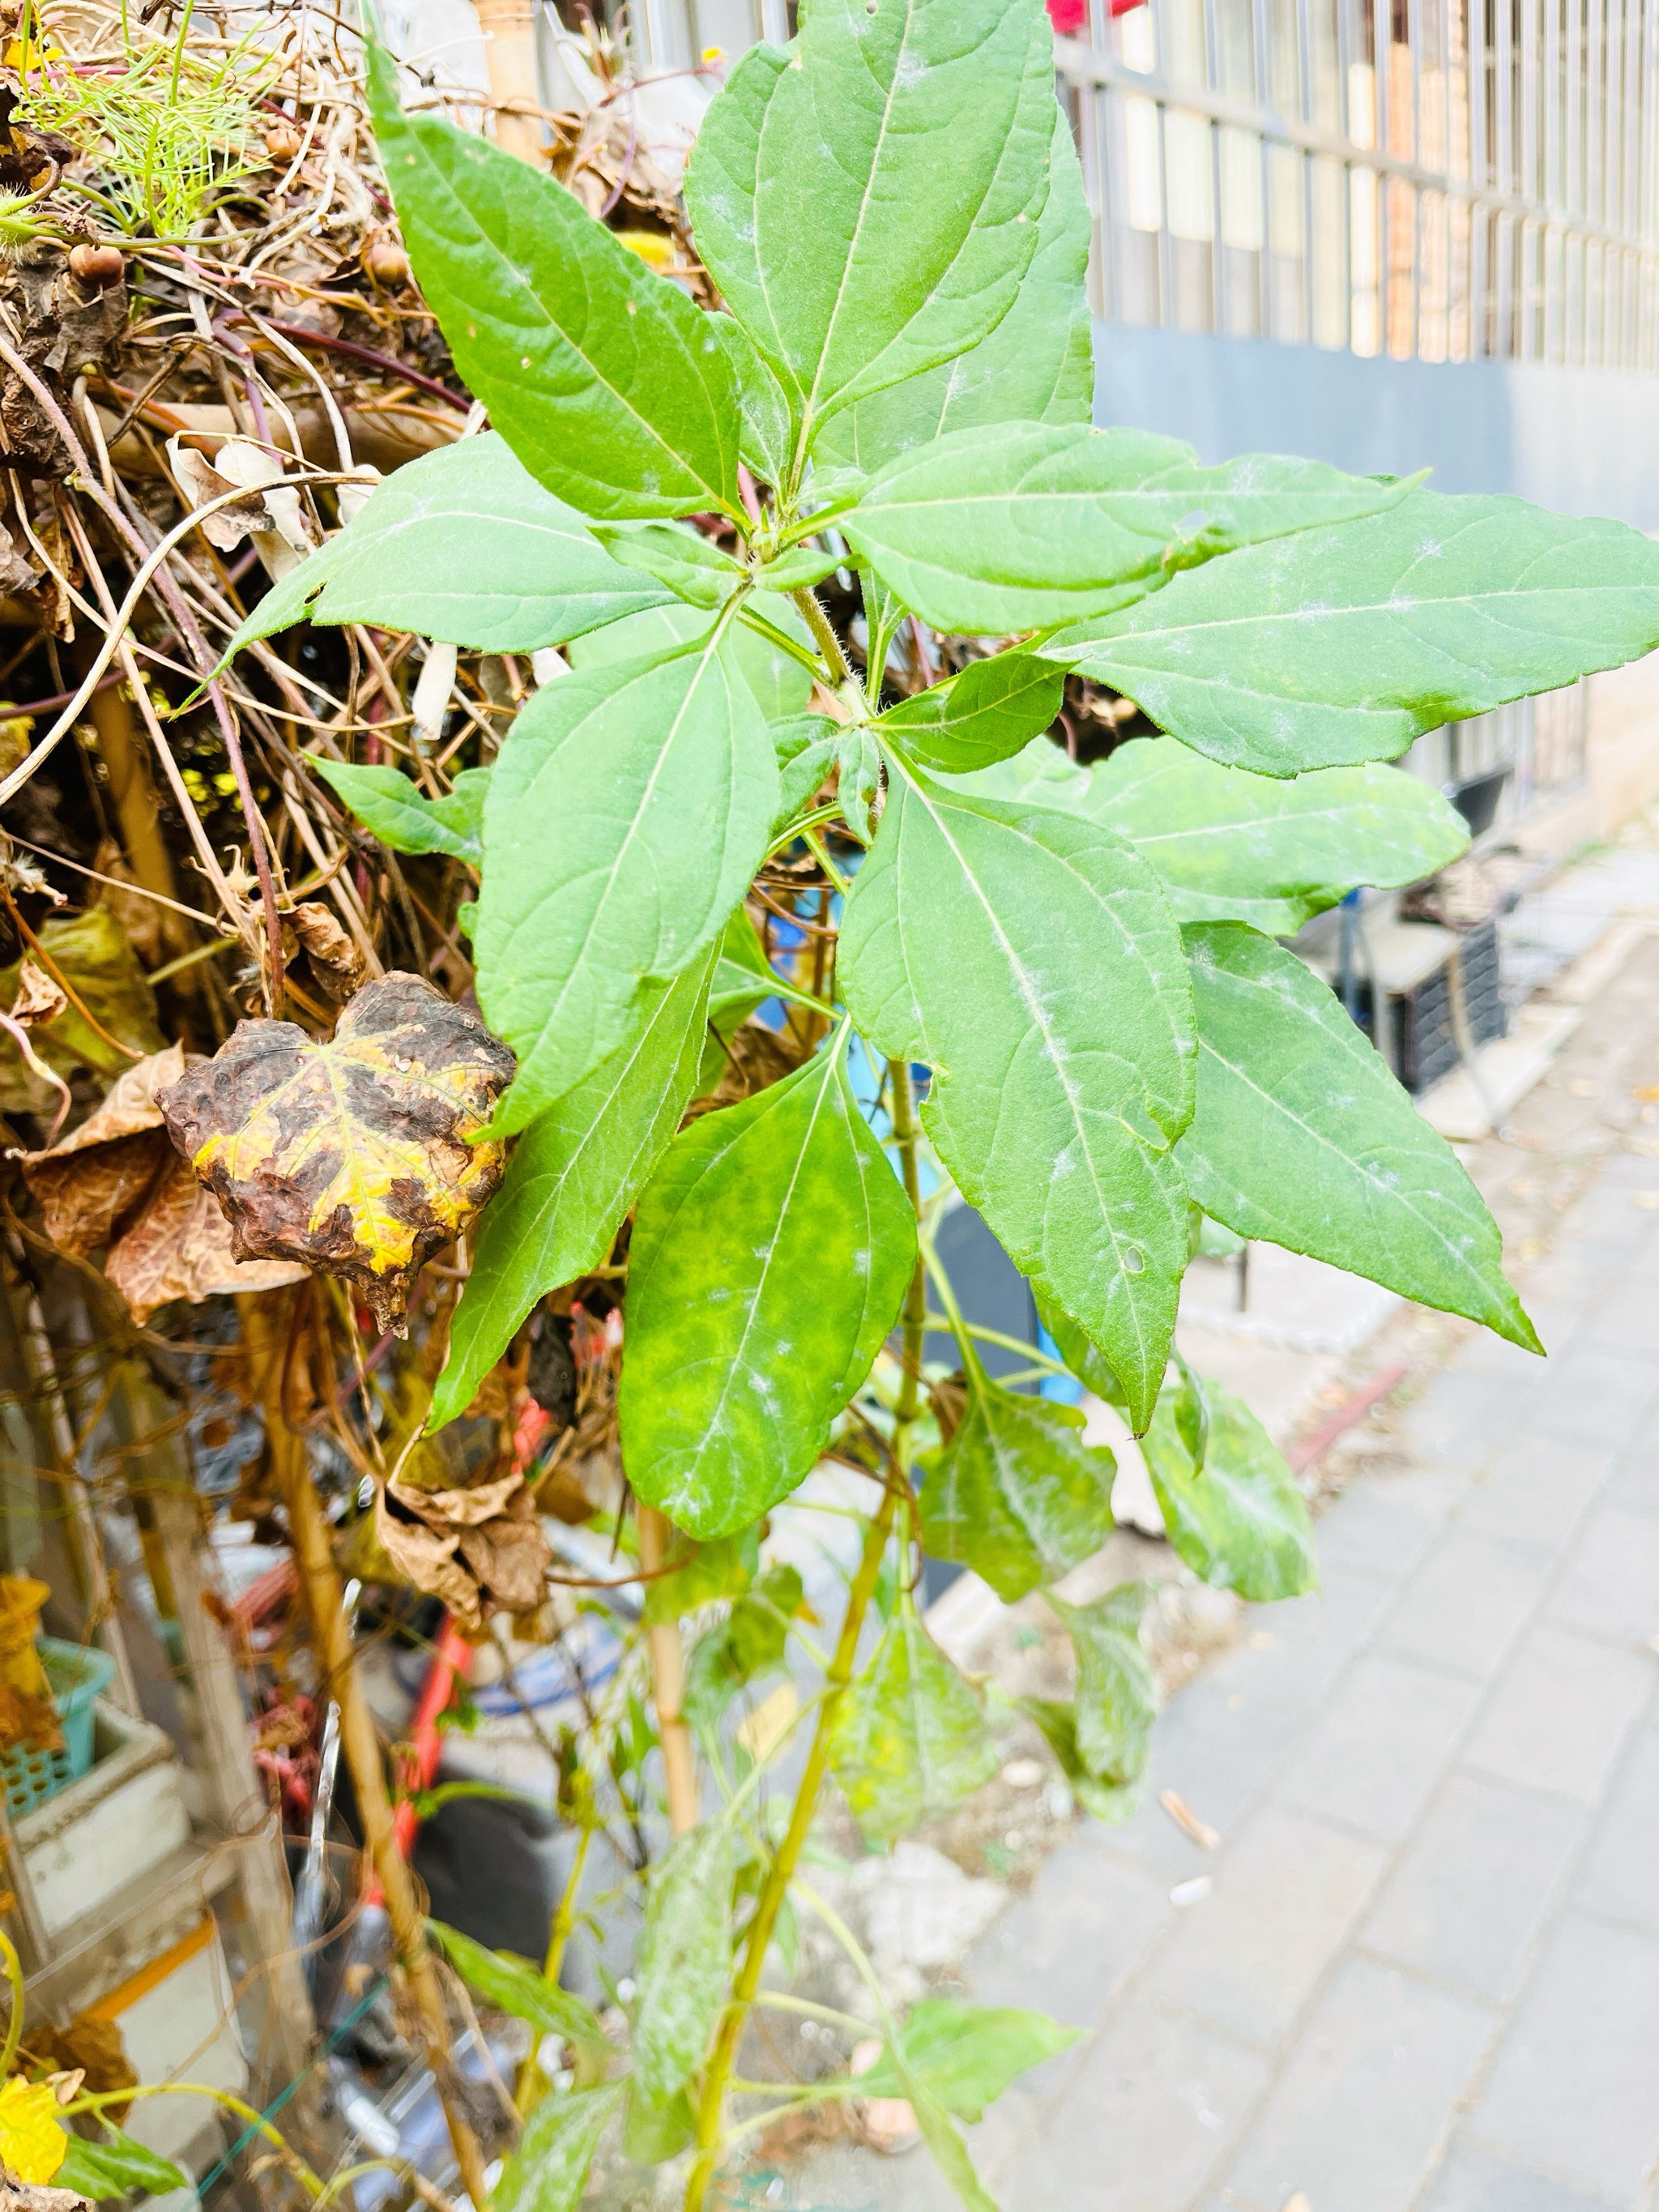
<point x="1426" y="1976"/>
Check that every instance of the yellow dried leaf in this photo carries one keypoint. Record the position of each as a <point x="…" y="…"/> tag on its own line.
<point x="33" y="2145"/>
<point x="356" y="1157"/>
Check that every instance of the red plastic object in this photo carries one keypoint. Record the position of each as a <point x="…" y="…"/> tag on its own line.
<point x="450" y="1660"/>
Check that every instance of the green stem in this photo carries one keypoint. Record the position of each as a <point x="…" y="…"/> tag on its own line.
<point x="15" y="2026"/>
<point x="531" y="2081"/>
<point x="1039" y="1359"/>
<point x="824" y="637"/>
<point x="711" y="2109"/>
<point x="96" y="2100"/>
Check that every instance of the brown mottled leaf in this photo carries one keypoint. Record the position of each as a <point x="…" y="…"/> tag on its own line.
<point x="352" y="1157"/>
<point x="85" y="1186"/>
<point x="181" y="1246"/>
<point x="91" y="953"/>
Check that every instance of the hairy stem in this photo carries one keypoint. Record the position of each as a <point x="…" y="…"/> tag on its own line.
<point x="824" y="635"/>
<point x="529" y="2086"/>
<point x="718" y="2073"/>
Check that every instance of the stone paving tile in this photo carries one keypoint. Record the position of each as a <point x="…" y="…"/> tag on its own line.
<point x="1360" y="2109"/>
<point x="1377" y="1533"/>
<point x="1593" y="1395"/>
<point x="1248" y="1957"/>
<point x="1559" y="1718"/>
<point x="1575" y="2088"/>
<point x="1065" y="1945"/>
<point x="1476" y="2180"/>
<point x="1468" y="1603"/>
<point x="1625" y="1318"/>
<point x="1467" y="1409"/>
<point x="1292" y="1652"/>
<point x="1372" y="1757"/>
<point x="1146" y="2118"/>
<point x="1536" y="1489"/>
<point x="1610" y="1581"/>
<point x="1620" y="1875"/>
<point x="1217" y="1747"/>
<point x="1473" y="1887"/>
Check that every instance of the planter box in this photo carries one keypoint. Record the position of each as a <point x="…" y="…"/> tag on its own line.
<point x="108" y="1828"/>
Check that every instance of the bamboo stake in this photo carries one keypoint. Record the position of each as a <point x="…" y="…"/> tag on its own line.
<point x="509" y="34"/>
<point x="668" y="1681"/>
<point x="266" y="1329"/>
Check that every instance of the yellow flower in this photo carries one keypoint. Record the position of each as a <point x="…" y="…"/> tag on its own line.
<point x="33" y="2145"/>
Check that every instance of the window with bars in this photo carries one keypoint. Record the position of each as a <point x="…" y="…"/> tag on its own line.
<point x="1430" y="179"/>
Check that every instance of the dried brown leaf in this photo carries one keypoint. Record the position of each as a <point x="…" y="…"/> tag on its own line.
<point x="91" y="1182"/>
<point x="40" y="997"/>
<point x="509" y="1556"/>
<point x="91" y="953"/>
<point x="336" y="962"/>
<point x="17" y="2196"/>
<point x="181" y="1246"/>
<point x="354" y="1157"/>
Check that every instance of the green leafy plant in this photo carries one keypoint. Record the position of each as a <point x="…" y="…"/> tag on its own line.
<point x="1080" y="964"/>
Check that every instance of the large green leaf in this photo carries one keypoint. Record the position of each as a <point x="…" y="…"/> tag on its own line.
<point x="1343" y="645"/>
<point x="116" y="2165"/>
<point x="385" y="801"/>
<point x="548" y="2171"/>
<point x="966" y="2054"/>
<point x="463" y="544"/>
<point x="909" y="1738"/>
<point x="1080" y="1356"/>
<point x="611" y="386"/>
<point x="770" y="1258"/>
<point x="781" y="685"/>
<point x="628" y="808"/>
<point x="572" y="1179"/>
<point x="1239" y="1520"/>
<point x="866" y="200"/>
<point x="765" y="431"/>
<point x="1015" y="526"/>
<point x="988" y="713"/>
<point x="1234" y="847"/>
<point x="1045" y="991"/>
<point x="1116" y="1702"/>
<point x="1302" y="1137"/>
<point x="1016" y="1495"/>
<point x="684" y="1958"/>
<point x="514" y="1985"/>
<point x="1036" y="366"/>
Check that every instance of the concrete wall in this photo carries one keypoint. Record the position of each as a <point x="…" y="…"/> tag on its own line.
<point x="1585" y="440"/>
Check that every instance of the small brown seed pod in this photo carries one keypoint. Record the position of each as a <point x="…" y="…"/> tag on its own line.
<point x="385" y="261"/>
<point x="283" y="142"/>
<point x="97" y="267"/>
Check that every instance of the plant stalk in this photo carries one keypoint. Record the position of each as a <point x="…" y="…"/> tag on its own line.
<point x="668" y="1683"/>
<point x="718" y="2073"/>
<point x="265" y="1321"/>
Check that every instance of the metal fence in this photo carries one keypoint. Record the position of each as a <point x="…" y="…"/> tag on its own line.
<point x="1438" y="179"/>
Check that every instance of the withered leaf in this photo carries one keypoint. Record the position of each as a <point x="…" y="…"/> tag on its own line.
<point x="90" y="951"/>
<point x="17" y="2196"/>
<point x="87" y="1184"/>
<point x="352" y="1157"/>
<point x="336" y="962"/>
<point x="181" y="1246"/>
<point x="510" y="1556"/>
<point x="40" y="997"/>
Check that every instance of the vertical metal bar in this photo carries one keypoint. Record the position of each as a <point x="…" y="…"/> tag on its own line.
<point x="1304" y="164"/>
<point x="1381" y="42"/>
<point x="1419" y="224"/>
<point x="1345" y="195"/>
<point x="1479" y="75"/>
<point x="1552" y="333"/>
<point x="1504" y="172"/>
<point x="1530" y="166"/>
<point x="1220" y="284"/>
<point x="1576" y="128"/>
<point x="1261" y="79"/>
<point x="1166" y="299"/>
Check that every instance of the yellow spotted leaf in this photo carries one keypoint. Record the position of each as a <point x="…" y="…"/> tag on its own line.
<point x="32" y="2143"/>
<point x="355" y="1157"/>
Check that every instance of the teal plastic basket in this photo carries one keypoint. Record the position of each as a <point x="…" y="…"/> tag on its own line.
<point x="79" y="1676"/>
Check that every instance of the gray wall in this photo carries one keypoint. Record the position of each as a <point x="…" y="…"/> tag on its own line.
<point x="1583" y="441"/>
